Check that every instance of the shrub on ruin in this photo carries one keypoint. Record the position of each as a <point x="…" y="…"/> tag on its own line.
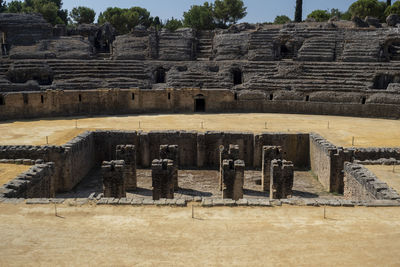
<point x="372" y="8"/>
<point x="282" y="19"/>
<point x="82" y="15"/>
<point x="320" y="15"/>
<point x="229" y="11"/>
<point x="173" y="24"/>
<point x="393" y="9"/>
<point x="199" y="17"/>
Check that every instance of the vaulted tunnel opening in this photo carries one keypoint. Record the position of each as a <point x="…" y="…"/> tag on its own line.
<point x="160" y="75"/>
<point x="382" y="81"/>
<point x="237" y="76"/>
<point x="199" y="103"/>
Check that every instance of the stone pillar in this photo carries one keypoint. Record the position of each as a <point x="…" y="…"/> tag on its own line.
<point x="127" y="153"/>
<point x="171" y="152"/>
<point x="269" y="153"/>
<point x="231" y="153"/>
<point x="201" y="149"/>
<point x="162" y="178"/>
<point x="282" y="175"/>
<point x="144" y="149"/>
<point x="233" y="179"/>
<point x="113" y="178"/>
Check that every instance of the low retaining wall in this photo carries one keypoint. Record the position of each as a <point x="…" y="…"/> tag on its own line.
<point x="18" y="105"/>
<point x="327" y="162"/>
<point x="72" y="161"/>
<point x="361" y="184"/>
<point x="376" y="153"/>
<point x="36" y="182"/>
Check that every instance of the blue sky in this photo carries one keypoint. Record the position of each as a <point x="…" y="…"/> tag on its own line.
<point x="257" y="10"/>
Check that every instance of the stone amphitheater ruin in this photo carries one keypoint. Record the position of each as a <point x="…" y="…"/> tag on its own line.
<point x="306" y="68"/>
<point x="121" y="137"/>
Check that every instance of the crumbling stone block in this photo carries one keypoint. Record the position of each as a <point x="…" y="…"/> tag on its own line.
<point x="282" y="176"/>
<point x="128" y="154"/>
<point x="269" y="153"/>
<point x="171" y="152"/>
<point x="231" y="153"/>
<point x="113" y="179"/>
<point x="233" y="179"/>
<point x="162" y="172"/>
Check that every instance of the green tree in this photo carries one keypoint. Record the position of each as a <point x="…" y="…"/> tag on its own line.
<point x="229" y="11"/>
<point x="282" y="19"/>
<point x="156" y="22"/>
<point x="393" y="9"/>
<point x="298" y="15"/>
<point x="173" y="24"/>
<point x="388" y="3"/>
<point x="320" y="15"/>
<point x="143" y="15"/>
<point x="364" y="8"/>
<point x="199" y="17"/>
<point x="14" y="7"/>
<point x="50" y="9"/>
<point x="82" y="14"/>
<point x="123" y="19"/>
<point x="3" y="6"/>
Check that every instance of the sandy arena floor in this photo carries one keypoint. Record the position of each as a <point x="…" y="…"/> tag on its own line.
<point x="153" y="236"/>
<point x="10" y="171"/>
<point x="386" y="174"/>
<point x="367" y="132"/>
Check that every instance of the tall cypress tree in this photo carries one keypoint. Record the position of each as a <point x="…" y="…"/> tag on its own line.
<point x="388" y="2"/>
<point x="298" y="15"/>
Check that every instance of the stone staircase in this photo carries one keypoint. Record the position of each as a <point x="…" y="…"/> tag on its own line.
<point x="261" y="45"/>
<point x="363" y="47"/>
<point x="321" y="48"/>
<point x="204" y="45"/>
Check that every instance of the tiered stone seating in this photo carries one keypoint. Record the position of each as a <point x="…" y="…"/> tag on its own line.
<point x="204" y="45"/>
<point x="93" y="74"/>
<point x="261" y="45"/>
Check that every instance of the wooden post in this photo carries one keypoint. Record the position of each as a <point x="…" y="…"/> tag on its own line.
<point x="352" y="141"/>
<point x="47" y="140"/>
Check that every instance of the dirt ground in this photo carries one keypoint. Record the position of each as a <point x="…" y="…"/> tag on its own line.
<point x="203" y="183"/>
<point x="367" y="132"/>
<point x="156" y="236"/>
<point x="10" y="171"/>
<point x="386" y="174"/>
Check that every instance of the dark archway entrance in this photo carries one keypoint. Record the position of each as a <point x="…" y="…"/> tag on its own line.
<point x="160" y="75"/>
<point x="237" y="76"/>
<point x="199" y="103"/>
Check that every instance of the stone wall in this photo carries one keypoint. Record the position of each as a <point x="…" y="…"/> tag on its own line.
<point x="72" y="161"/>
<point x="327" y="162"/>
<point x="295" y="147"/>
<point x="376" y="153"/>
<point x="362" y="185"/>
<point x="34" y="183"/>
